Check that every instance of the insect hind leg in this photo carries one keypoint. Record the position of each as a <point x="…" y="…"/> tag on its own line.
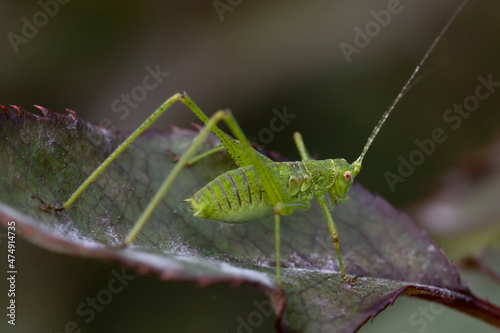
<point x="162" y="191"/>
<point x="246" y="155"/>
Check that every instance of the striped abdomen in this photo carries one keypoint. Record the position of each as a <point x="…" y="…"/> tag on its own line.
<point x="237" y="196"/>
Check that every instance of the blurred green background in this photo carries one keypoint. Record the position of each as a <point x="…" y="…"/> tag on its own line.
<point x="253" y="58"/>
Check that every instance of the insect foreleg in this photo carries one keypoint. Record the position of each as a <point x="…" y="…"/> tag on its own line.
<point x="333" y="232"/>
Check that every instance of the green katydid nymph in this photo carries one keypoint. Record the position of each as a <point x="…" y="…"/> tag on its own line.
<point x="259" y="187"/>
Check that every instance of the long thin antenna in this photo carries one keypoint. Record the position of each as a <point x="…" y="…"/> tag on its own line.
<point x="357" y="164"/>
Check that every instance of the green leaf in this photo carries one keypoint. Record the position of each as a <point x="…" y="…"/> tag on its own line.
<point x="50" y="155"/>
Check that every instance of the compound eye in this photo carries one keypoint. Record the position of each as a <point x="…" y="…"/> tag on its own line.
<point x="348" y="176"/>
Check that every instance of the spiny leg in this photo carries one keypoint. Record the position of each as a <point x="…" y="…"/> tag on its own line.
<point x="245" y="153"/>
<point x="240" y="149"/>
<point x="333" y="232"/>
<point x="228" y="142"/>
<point x="162" y="191"/>
<point x="233" y="147"/>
